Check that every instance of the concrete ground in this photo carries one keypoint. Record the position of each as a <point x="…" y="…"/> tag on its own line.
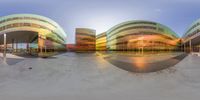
<point x="145" y="63"/>
<point x="71" y="76"/>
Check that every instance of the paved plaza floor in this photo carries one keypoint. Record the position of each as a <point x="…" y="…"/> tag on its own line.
<point x="145" y="62"/>
<point x="72" y="76"/>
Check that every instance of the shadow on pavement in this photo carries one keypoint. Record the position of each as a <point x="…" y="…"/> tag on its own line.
<point x="13" y="61"/>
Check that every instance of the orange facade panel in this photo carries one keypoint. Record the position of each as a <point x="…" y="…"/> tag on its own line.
<point x="85" y="39"/>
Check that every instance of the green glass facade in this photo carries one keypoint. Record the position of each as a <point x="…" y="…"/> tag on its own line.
<point x="141" y="35"/>
<point x="37" y="33"/>
<point x="191" y="38"/>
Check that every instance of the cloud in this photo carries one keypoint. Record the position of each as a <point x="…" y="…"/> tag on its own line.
<point x="158" y="10"/>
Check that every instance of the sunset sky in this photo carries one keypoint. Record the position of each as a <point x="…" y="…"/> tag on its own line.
<point x="101" y="15"/>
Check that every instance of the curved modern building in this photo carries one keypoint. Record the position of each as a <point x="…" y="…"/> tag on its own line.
<point x="101" y="42"/>
<point x="85" y="39"/>
<point x="141" y="35"/>
<point x="191" y="38"/>
<point x="29" y="33"/>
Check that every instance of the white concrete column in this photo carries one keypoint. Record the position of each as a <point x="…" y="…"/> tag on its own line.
<point x="5" y="47"/>
<point x="199" y="48"/>
<point x="45" y="47"/>
<point x="190" y="45"/>
<point x="16" y="46"/>
<point x="13" y="45"/>
<point x="184" y="47"/>
<point x="27" y="47"/>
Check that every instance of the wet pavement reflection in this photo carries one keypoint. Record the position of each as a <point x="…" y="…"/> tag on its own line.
<point x="144" y="63"/>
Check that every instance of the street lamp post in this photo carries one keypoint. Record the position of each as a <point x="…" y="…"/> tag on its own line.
<point x="5" y="47"/>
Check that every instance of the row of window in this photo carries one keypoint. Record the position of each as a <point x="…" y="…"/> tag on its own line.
<point x="14" y="25"/>
<point x="101" y="40"/>
<point x="121" y="42"/>
<point x="53" y="40"/>
<point x="102" y="43"/>
<point x="87" y="39"/>
<point x="27" y="18"/>
<point x="153" y="42"/>
<point x="161" y="29"/>
<point x="134" y="27"/>
<point x="20" y="25"/>
<point x="193" y="33"/>
<point x="89" y="45"/>
<point x="195" y="25"/>
<point x="141" y="22"/>
<point x="100" y="36"/>
<point x="142" y="33"/>
<point x="84" y="34"/>
<point x="101" y="47"/>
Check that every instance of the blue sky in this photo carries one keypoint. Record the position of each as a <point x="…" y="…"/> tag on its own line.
<point x="104" y="14"/>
